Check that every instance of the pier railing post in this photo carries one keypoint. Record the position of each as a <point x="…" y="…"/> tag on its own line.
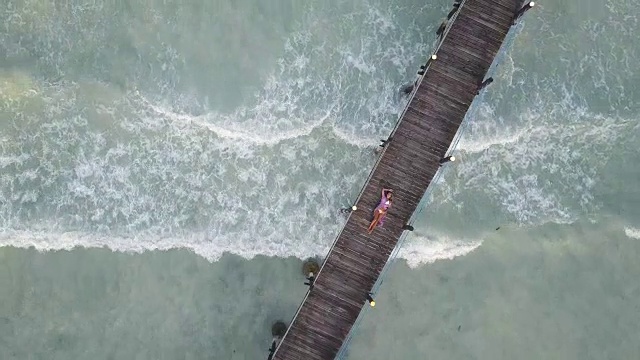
<point x="522" y="10"/>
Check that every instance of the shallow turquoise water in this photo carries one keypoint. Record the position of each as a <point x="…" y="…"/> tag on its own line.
<point x="165" y="166"/>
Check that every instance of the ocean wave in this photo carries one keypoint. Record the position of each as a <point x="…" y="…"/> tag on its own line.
<point x="421" y="250"/>
<point x="541" y="165"/>
<point x="241" y="133"/>
<point x="632" y="232"/>
<point x="417" y="251"/>
<point x="141" y="171"/>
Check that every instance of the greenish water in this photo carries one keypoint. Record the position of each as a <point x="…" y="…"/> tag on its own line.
<point x="164" y="166"/>
<point x="564" y="292"/>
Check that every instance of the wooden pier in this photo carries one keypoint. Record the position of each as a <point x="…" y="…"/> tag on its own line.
<point x="407" y="164"/>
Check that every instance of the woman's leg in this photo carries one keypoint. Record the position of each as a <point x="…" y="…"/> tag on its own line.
<point x="374" y="222"/>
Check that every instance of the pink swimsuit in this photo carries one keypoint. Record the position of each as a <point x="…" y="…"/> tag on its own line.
<point x="383" y="205"/>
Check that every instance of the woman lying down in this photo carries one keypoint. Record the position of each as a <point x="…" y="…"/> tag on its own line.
<point x="381" y="210"/>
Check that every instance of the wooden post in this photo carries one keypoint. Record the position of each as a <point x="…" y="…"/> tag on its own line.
<point x="520" y="12"/>
<point x="484" y="84"/>
<point x="407" y="227"/>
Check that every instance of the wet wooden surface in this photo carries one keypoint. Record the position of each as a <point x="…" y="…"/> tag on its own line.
<point x="407" y="165"/>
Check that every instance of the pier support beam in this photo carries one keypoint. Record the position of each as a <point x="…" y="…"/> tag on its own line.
<point x="521" y="12"/>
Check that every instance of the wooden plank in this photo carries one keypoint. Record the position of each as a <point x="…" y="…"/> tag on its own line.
<point x="425" y="153"/>
<point x="321" y="311"/>
<point x="474" y="29"/>
<point x="309" y="348"/>
<point x="497" y="18"/>
<point x="507" y="8"/>
<point x="472" y="44"/>
<point x="348" y="275"/>
<point x="429" y="97"/>
<point x="431" y="112"/>
<point x="363" y="248"/>
<point x="364" y="243"/>
<point x="495" y="23"/>
<point x="462" y="63"/>
<point x="437" y="131"/>
<point x="291" y="350"/>
<point x="431" y="128"/>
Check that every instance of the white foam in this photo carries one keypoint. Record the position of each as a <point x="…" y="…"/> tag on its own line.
<point x="260" y="138"/>
<point x="253" y="135"/>
<point x="353" y="139"/>
<point x="159" y="182"/>
<point x="632" y="232"/>
<point x="201" y="244"/>
<point x="11" y="160"/>
<point x="416" y="251"/>
<point x="542" y="165"/>
<point x="419" y="250"/>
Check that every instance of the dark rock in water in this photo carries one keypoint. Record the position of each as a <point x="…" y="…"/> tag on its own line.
<point x="407" y="89"/>
<point x="278" y="329"/>
<point x="310" y="266"/>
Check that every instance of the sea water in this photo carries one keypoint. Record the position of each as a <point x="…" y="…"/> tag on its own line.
<point x="165" y="167"/>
